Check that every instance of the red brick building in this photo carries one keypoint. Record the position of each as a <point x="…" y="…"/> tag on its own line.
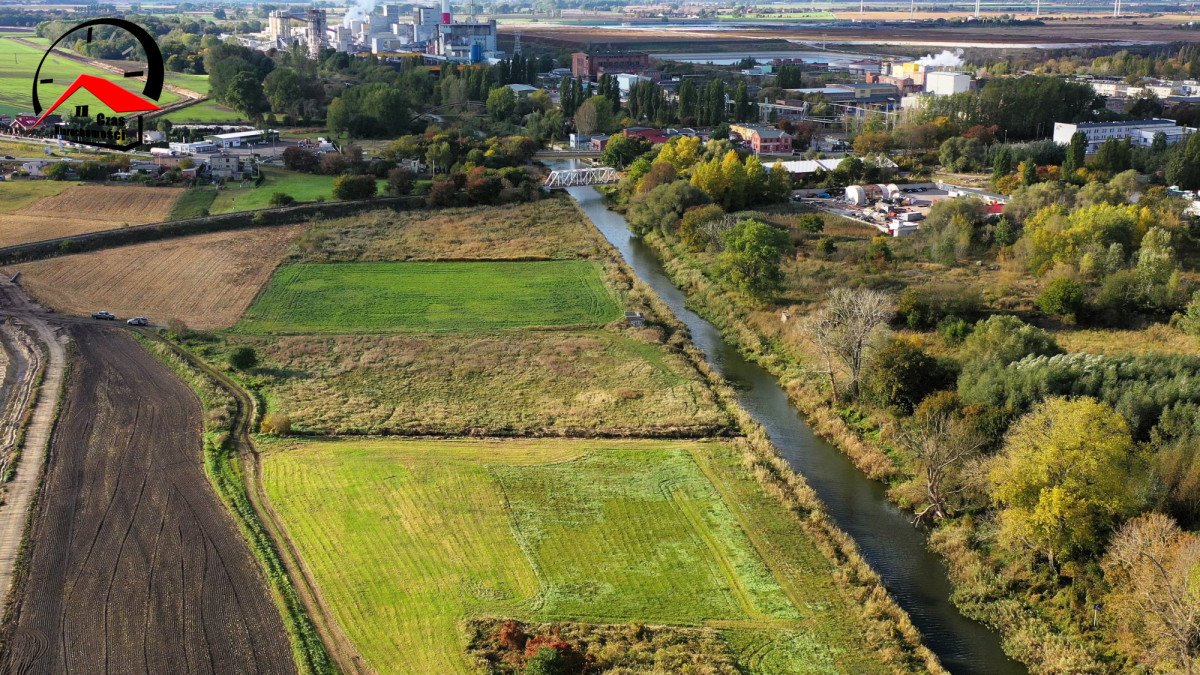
<point x="764" y="140"/>
<point x="589" y="66"/>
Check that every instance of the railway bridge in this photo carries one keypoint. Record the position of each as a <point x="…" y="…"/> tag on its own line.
<point x="598" y="175"/>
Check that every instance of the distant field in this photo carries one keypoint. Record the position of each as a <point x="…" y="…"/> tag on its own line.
<point x="519" y="382"/>
<point x="430" y="297"/>
<point x="551" y="228"/>
<point x="206" y="279"/>
<point x="18" y="62"/>
<point x="16" y="194"/>
<point x="51" y="211"/>
<point x="205" y="112"/>
<point x="426" y="533"/>
<point x="303" y="187"/>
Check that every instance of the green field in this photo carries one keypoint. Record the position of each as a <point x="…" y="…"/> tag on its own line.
<point x="424" y="534"/>
<point x="19" y="62"/>
<point x="195" y="202"/>
<point x="303" y="187"/>
<point x="470" y="297"/>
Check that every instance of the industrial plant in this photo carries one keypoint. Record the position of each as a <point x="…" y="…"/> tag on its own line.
<point x="384" y="30"/>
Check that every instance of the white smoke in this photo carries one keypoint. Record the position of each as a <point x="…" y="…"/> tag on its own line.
<point x="358" y="10"/>
<point x="945" y="59"/>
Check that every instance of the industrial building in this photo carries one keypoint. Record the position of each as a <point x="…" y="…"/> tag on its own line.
<point x="1140" y="133"/>
<point x="591" y="65"/>
<point x="389" y="30"/>
<point x="946" y="83"/>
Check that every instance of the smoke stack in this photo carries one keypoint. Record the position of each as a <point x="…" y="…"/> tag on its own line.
<point x="445" y="12"/>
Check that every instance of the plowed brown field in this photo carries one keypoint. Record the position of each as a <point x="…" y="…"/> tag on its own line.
<point x="207" y="280"/>
<point x="135" y="564"/>
<point x="86" y="208"/>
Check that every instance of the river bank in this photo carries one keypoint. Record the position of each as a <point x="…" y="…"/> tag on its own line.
<point x="859" y="506"/>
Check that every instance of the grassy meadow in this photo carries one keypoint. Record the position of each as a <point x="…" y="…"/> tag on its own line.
<point x="584" y="383"/>
<point x="550" y="228"/>
<point x="470" y="297"/>
<point x="193" y="203"/>
<point x="427" y="533"/>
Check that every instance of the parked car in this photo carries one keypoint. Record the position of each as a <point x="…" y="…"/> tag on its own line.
<point x="138" y="321"/>
<point x="9" y="157"/>
<point x="105" y="315"/>
<point x="823" y="195"/>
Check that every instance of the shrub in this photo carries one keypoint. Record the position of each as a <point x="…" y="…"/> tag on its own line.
<point x="399" y="182"/>
<point x="1062" y="297"/>
<point x="177" y="329"/>
<point x="276" y="424"/>
<point x="443" y="192"/>
<point x="354" y="187"/>
<point x="902" y="375"/>
<point x="826" y="246"/>
<point x="281" y="199"/>
<point x="299" y="159"/>
<point x="243" y="358"/>
<point x="953" y="330"/>
<point x="811" y="223"/>
<point x="924" y="307"/>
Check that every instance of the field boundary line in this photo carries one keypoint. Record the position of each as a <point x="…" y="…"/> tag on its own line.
<point x="334" y="639"/>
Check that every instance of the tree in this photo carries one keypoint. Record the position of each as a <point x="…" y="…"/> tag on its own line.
<point x="439" y="155"/>
<point x="400" y="182"/>
<point x="1062" y="297"/>
<point x="281" y="199"/>
<point x="283" y="90"/>
<point x="1076" y="152"/>
<point x="1002" y="164"/>
<point x="1028" y="173"/>
<point x="942" y="442"/>
<point x="243" y="358"/>
<point x="1183" y="169"/>
<point x="245" y="93"/>
<point x="57" y="171"/>
<point x="300" y="159"/>
<point x="1114" y="156"/>
<point x="752" y="257"/>
<point x="811" y="223"/>
<point x="622" y="149"/>
<point x="1003" y="339"/>
<point x="1189" y="319"/>
<point x="902" y="374"/>
<point x="842" y="330"/>
<point x="354" y="187"/>
<point x="595" y="115"/>
<point x="661" y="208"/>
<point x="501" y="104"/>
<point x="1154" y="603"/>
<point x="1068" y="473"/>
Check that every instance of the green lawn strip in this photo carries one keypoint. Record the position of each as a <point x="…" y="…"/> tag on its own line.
<point x="345" y="298"/>
<point x="424" y="534"/>
<point x="303" y="187"/>
<point x="205" y="112"/>
<point x="193" y="203"/>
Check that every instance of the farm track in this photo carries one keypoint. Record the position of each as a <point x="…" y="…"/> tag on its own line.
<point x="135" y="565"/>
<point x="340" y="648"/>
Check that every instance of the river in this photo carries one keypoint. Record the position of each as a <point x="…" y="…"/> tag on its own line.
<point x="860" y="507"/>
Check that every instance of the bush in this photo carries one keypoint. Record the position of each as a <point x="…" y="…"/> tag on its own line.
<point x="299" y="159"/>
<point x="1062" y="297"/>
<point x="902" y="375"/>
<point x="826" y="246"/>
<point x="354" y="187"/>
<point x="276" y="424"/>
<point x="177" y="329"/>
<point x="243" y="358"/>
<point x="282" y="199"/>
<point x="811" y="223"/>
<point x="443" y="192"/>
<point x="924" y="307"/>
<point x="399" y="182"/>
<point x="953" y="330"/>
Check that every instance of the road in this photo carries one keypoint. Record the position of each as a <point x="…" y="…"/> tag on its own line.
<point x="134" y="563"/>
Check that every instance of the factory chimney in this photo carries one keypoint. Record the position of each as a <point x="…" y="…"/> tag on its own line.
<point x="446" y="12"/>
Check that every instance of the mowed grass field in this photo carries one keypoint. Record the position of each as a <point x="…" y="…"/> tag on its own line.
<point x="50" y="209"/>
<point x="346" y="298"/>
<point x="425" y="533"/>
<point x="207" y="280"/>
<point x="19" y="62"/>
<point x="584" y="383"/>
<point x="303" y="187"/>
<point x="550" y="228"/>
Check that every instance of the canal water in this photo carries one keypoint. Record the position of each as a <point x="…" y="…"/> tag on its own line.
<point x="894" y="548"/>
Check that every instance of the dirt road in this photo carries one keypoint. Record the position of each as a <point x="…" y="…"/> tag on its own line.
<point x="135" y="564"/>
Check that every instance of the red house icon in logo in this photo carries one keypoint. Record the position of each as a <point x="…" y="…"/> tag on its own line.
<point x="110" y="94"/>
